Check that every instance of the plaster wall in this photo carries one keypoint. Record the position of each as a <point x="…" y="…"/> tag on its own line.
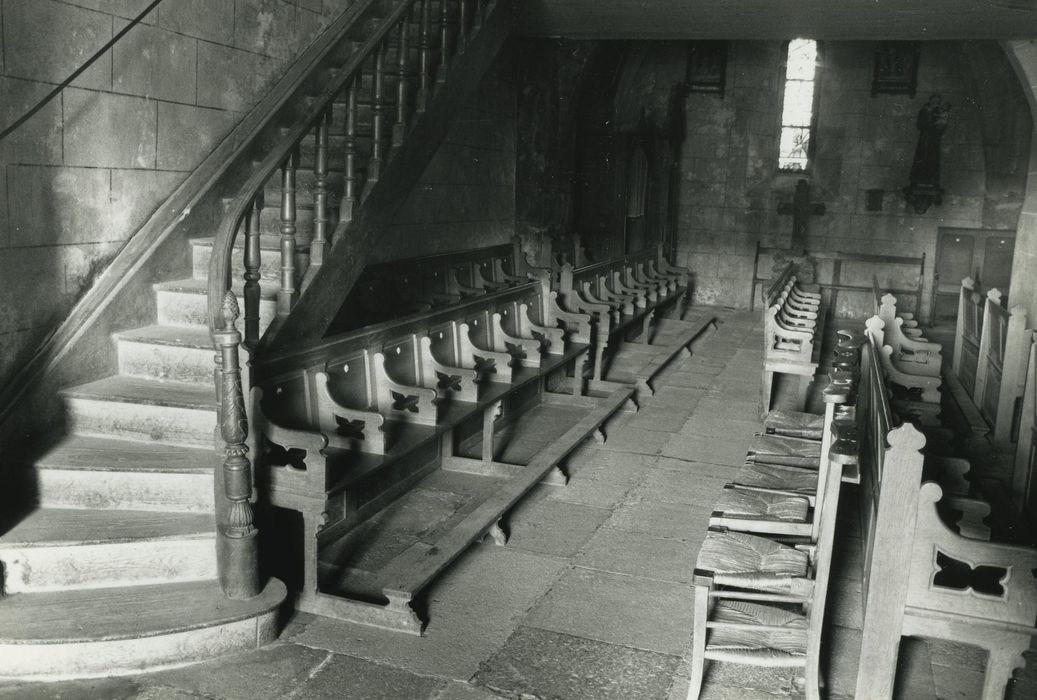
<point x="1023" y="55"/>
<point x="80" y="177"/>
<point x="731" y="187"/>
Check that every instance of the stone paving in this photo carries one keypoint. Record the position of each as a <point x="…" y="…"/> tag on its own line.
<point x="590" y="599"/>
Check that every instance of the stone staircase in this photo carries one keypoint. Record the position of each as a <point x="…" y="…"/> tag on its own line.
<point x="114" y="570"/>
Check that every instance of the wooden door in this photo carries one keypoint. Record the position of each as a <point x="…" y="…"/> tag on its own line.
<point x="984" y="255"/>
<point x="955" y="256"/>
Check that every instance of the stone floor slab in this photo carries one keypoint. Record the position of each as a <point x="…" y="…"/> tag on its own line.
<point x="350" y="678"/>
<point x="553" y="527"/>
<point x="660" y="519"/>
<point x="586" y="491"/>
<point x="538" y="663"/>
<point x="719" y="449"/>
<point x="619" y="609"/>
<point x="638" y="554"/>
<point x="472" y="611"/>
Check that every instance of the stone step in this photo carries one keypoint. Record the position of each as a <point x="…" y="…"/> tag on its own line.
<point x="118" y="631"/>
<point x="102" y="473"/>
<point x="176" y="353"/>
<point x="269" y="255"/>
<point x="185" y="302"/>
<point x="64" y="549"/>
<point x="173" y="413"/>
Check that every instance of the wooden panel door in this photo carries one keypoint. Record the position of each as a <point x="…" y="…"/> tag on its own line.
<point x="955" y="257"/>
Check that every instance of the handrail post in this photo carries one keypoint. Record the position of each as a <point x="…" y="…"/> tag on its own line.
<point x="426" y="56"/>
<point x="350" y="187"/>
<point x="444" y="42"/>
<point x="237" y="548"/>
<point x="462" y="26"/>
<point x="252" y="259"/>
<point x="400" y="127"/>
<point x="320" y="191"/>
<point x="374" y="166"/>
<point x="286" y="294"/>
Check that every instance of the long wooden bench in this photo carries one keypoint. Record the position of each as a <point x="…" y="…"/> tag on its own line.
<point x="347" y="427"/>
<point x="919" y="577"/>
<point x="914" y="355"/>
<point x="793" y="329"/>
<point x="627" y="298"/>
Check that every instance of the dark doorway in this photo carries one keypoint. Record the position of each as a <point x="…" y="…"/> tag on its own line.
<point x="984" y="255"/>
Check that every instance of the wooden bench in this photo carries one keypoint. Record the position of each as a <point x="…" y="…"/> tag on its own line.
<point x="935" y="592"/>
<point x="927" y="386"/>
<point x="914" y="355"/>
<point x="346" y="427"/>
<point x="627" y="299"/>
<point x="793" y="329"/>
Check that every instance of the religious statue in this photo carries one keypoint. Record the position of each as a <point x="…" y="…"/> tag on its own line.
<point x="924" y="188"/>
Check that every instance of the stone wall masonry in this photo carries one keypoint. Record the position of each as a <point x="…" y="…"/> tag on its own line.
<point x="81" y="176"/>
<point x="731" y="187"/>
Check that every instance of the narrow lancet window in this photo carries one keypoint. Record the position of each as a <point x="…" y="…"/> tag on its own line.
<point x="797" y="113"/>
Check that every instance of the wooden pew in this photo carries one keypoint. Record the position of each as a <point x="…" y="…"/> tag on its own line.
<point x="793" y="329"/>
<point x="903" y="533"/>
<point x="1024" y="472"/>
<point x="347" y="426"/>
<point x="913" y="355"/>
<point x="927" y="386"/>
<point x="966" y="335"/>
<point x="1000" y="367"/>
<point x="627" y="298"/>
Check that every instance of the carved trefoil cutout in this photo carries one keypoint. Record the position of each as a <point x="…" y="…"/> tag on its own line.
<point x="964" y="576"/>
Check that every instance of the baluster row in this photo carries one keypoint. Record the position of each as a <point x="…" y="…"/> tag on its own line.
<point x="412" y="94"/>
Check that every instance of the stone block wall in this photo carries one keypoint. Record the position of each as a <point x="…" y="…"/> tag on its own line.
<point x="466" y="196"/>
<point x="731" y="187"/>
<point x="81" y="176"/>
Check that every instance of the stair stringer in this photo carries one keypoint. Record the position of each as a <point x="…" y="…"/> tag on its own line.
<point x="354" y="240"/>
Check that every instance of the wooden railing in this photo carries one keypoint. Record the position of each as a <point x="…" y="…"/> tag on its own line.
<point x="362" y="77"/>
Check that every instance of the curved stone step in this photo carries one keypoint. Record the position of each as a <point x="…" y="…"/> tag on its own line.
<point x="62" y="549"/>
<point x="173" y="413"/>
<point x="129" y="480"/>
<point x="185" y="302"/>
<point x="174" y="353"/>
<point x="117" y="631"/>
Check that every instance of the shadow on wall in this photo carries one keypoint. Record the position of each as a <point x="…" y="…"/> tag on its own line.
<point x="83" y="174"/>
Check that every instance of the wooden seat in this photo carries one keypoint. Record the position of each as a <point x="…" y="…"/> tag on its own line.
<point x="793" y="328"/>
<point x="762" y="603"/>
<point x="347" y="427"/>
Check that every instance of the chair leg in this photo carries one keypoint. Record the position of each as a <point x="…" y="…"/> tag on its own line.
<point x="698" y="641"/>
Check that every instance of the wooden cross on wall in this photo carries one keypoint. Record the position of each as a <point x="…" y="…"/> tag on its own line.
<point x="801" y="209"/>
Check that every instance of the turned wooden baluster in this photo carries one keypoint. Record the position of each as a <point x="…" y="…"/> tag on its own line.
<point x="444" y="42"/>
<point x="320" y="191"/>
<point x="425" y="43"/>
<point x="286" y="294"/>
<point x="350" y="189"/>
<point x="400" y="127"/>
<point x="374" y="166"/>
<point x="237" y="547"/>
<point x="462" y="26"/>
<point x="252" y="275"/>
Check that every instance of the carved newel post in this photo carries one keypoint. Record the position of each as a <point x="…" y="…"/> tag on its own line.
<point x="924" y="189"/>
<point x="237" y="542"/>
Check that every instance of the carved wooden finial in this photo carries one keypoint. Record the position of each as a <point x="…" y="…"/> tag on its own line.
<point x="906" y="437"/>
<point x="968" y="283"/>
<point x="930" y="492"/>
<point x="874" y="324"/>
<point x="889" y="300"/>
<point x="230" y="310"/>
<point x="995" y="296"/>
